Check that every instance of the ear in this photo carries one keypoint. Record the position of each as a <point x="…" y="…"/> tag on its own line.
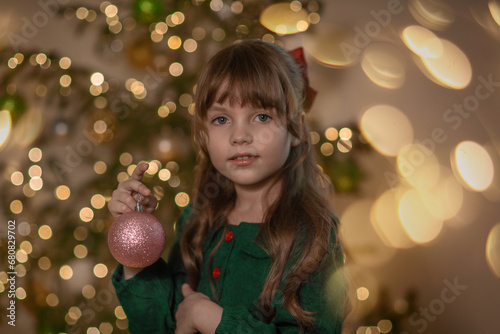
<point x="302" y="119"/>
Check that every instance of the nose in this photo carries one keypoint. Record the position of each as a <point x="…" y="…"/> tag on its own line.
<point x="241" y="134"/>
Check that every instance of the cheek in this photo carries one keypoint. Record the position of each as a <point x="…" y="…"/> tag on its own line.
<point x="270" y="135"/>
<point x="281" y="148"/>
<point x="212" y="140"/>
<point x="215" y="148"/>
<point x="266" y="136"/>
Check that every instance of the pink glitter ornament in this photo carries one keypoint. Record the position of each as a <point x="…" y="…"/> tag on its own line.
<point x="136" y="239"/>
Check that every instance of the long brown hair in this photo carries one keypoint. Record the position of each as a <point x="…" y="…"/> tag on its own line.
<point x="298" y="224"/>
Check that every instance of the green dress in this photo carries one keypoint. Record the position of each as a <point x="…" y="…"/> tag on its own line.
<point x="150" y="298"/>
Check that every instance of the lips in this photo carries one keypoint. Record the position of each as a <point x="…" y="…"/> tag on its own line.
<point x="243" y="156"/>
<point x="243" y="159"/>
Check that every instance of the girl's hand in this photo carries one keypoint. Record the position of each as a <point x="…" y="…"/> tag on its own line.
<point x="197" y="313"/>
<point x="124" y="198"/>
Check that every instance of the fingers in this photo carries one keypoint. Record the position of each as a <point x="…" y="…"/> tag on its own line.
<point x="149" y="203"/>
<point x="139" y="171"/>
<point x="133" y="184"/>
<point x="143" y="190"/>
<point x="117" y="208"/>
<point x="124" y="198"/>
<point x="186" y="290"/>
<point x="121" y="202"/>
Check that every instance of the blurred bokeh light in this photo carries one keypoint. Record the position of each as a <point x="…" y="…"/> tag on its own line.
<point x="422" y="41"/>
<point x="386" y="128"/>
<point x="360" y="238"/>
<point x="5" y="126"/>
<point x="493" y="250"/>
<point x="452" y="69"/>
<point x="419" y="223"/>
<point x="419" y="166"/>
<point x="384" y="65"/>
<point x="285" y="18"/>
<point x="473" y="165"/>
<point x="331" y="46"/>
<point x="386" y="222"/>
<point x="433" y="14"/>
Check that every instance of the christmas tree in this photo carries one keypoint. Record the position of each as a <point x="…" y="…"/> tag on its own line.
<point x="69" y="134"/>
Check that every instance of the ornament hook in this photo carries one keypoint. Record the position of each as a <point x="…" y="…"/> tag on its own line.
<point x="138" y="206"/>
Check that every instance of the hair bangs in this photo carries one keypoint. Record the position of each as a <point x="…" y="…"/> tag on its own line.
<point x="258" y="87"/>
<point x="247" y="77"/>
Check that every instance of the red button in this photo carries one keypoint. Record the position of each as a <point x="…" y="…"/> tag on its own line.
<point x="229" y="236"/>
<point x="216" y="273"/>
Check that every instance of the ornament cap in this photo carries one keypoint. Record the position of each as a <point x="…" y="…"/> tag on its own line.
<point x="138" y="206"/>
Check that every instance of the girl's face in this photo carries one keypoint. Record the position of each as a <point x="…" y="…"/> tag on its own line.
<point x="246" y="144"/>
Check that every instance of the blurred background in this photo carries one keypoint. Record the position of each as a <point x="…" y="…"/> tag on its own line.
<point x="405" y="123"/>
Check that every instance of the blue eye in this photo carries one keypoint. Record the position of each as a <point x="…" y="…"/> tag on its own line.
<point x="263" y="117"/>
<point x="220" y="120"/>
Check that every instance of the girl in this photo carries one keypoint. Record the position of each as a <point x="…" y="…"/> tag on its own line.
<point x="258" y="249"/>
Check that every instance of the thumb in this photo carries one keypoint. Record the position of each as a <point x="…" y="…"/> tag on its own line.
<point x="139" y="171"/>
<point x="186" y="290"/>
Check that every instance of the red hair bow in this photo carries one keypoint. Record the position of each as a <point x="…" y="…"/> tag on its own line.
<point x="310" y="94"/>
